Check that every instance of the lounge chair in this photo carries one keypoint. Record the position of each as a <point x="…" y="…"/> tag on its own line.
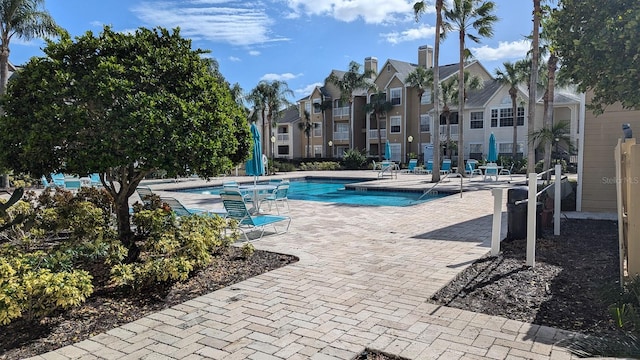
<point x="508" y="171"/>
<point x="58" y="180"/>
<point x="95" y="179"/>
<point x="145" y="194"/>
<point x="411" y="168"/>
<point x="490" y="171"/>
<point x="279" y="195"/>
<point x="471" y="168"/>
<point x="237" y="209"/>
<point x="446" y="167"/>
<point x="180" y="210"/>
<point x="388" y="168"/>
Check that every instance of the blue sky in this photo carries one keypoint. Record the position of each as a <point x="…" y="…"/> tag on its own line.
<point x="298" y="41"/>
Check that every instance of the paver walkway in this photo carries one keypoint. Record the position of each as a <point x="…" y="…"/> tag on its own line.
<point x="362" y="281"/>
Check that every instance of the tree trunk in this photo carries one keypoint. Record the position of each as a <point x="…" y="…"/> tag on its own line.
<point x="435" y="177"/>
<point x="379" y="137"/>
<point x="548" y="111"/>
<point x="4" y="68"/>
<point x="533" y="85"/>
<point x="461" y="107"/>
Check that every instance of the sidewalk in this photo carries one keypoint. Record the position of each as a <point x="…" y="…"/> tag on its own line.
<point x="363" y="281"/>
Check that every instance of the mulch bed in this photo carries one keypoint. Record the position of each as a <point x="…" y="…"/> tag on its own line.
<point x="573" y="275"/>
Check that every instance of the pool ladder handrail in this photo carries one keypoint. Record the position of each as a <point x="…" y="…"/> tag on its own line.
<point x="439" y="181"/>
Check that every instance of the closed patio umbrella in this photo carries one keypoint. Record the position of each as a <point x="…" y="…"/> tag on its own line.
<point x="255" y="166"/>
<point x="387" y="151"/>
<point x="493" y="149"/>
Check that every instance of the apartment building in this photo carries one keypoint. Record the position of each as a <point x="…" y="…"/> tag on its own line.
<point x="409" y="125"/>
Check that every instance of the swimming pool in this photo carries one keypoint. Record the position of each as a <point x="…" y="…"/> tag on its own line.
<point x="334" y="191"/>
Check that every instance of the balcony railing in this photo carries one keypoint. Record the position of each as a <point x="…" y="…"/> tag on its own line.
<point x="373" y="134"/>
<point x="341" y="111"/>
<point x="454" y="130"/>
<point x="341" y="136"/>
<point x="283" y="137"/>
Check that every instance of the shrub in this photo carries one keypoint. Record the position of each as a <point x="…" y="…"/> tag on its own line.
<point x="320" y="166"/>
<point x="172" y="247"/>
<point x="354" y="159"/>
<point x="283" y="166"/>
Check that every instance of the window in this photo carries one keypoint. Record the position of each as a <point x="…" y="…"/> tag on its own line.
<point x="425" y="123"/>
<point x="426" y="97"/>
<point x="283" y="150"/>
<point x="316" y="106"/>
<point x="475" y="148"/>
<point x="396" y="152"/>
<point x="506" y="148"/>
<point x="504" y="117"/>
<point x="395" y="124"/>
<point x="396" y="96"/>
<point x="477" y="120"/>
<point x="317" y="151"/>
<point x="317" y="129"/>
<point x="307" y="106"/>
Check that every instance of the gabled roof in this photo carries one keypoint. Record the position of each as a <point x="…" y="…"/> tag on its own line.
<point x="479" y="98"/>
<point x="290" y="115"/>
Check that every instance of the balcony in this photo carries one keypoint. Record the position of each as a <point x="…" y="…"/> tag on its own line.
<point x="341" y="111"/>
<point x="373" y="134"/>
<point x="454" y="130"/>
<point x="283" y="137"/>
<point x="341" y="136"/>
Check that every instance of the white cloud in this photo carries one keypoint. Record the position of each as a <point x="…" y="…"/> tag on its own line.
<point x="234" y="59"/>
<point x="422" y="32"/>
<point x="254" y="52"/>
<point x="231" y="21"/>
<point x="306" y="90"/>
<point x="505" y="50"/>
<point x="280" y="77"/>
<point x="371" y="11"/>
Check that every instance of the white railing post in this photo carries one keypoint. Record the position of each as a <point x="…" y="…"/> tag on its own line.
<point x="557" y="200"/>
<point x="497" y="221"/>
<point x="531" y="219"/>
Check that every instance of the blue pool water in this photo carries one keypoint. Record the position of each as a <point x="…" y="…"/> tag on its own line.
<point x="333" y="191"/>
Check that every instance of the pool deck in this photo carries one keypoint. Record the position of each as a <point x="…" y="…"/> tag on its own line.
<point x="363" y="281"/>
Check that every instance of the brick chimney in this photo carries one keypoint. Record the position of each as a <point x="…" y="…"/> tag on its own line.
<point x="371" y="63"/>
<point x="425" y="56"/>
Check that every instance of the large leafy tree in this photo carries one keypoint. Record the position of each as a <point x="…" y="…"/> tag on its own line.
<point x="598" y="43"/>
<point x="379" y="106"/>
<point x="512" y="76"/>
<point x="122" y="105"/>
<point x="419" y="8"/>
<point x="347" y="83"/>
<point x="421" y="79"/>
<point x="25" y="19"/>
<point x="464" y="17"/>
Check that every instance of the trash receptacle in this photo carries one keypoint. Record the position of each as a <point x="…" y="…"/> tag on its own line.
<point x="517" y="214"/>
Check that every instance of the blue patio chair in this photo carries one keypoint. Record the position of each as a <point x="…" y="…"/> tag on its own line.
<point x="95" y="179"/>
<point x="491" y="171"/>
<point x="237" y="210"/>
<point x="58" y="180"/>
<point x="471" y="168"/>
<point x="411" y="168"/>
<point x="446" y="167"/>
<point x="180" y="210"/>
<point x="279" y="195"/>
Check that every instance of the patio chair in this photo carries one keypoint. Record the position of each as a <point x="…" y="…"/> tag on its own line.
<point x="491" y="171"/>
<point x="237" y="210"/>
<point x="58" y="180"/>
<point x="508" y="171"/>
<point x="471" y="168"/>
<point x="388" y="168"/>
<point x="411" y="168"/>
<point x="279" y="195"/>
<point x="180" y="210"/>
<point x="95" y="180"/>
<point x="145" y="194"/>
<point x="446" y="167"/>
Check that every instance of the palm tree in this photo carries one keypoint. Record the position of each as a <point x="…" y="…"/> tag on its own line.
<point x="559" y="134"/>
<point x="277" y="93"/>
<point x="25" y="19"/>
<point x="512" y="77"/>
<point x="441" y="30"/>
<point x="378" y="107"/>
<point x="323" y="105"/>
<point x="421" y="79"/>
<point x="448" y="97"/>
<point x="464" y="16"/>
<point x="350" y="81"/>
<point x="307" y="127"/>
<point x="533" y="81"/>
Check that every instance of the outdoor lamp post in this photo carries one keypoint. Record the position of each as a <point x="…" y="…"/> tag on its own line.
<point x="273" y="145"/>
<point x="330" y="143"/>
<point x="410" y="140"/>
<point x="557" y="140"/>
